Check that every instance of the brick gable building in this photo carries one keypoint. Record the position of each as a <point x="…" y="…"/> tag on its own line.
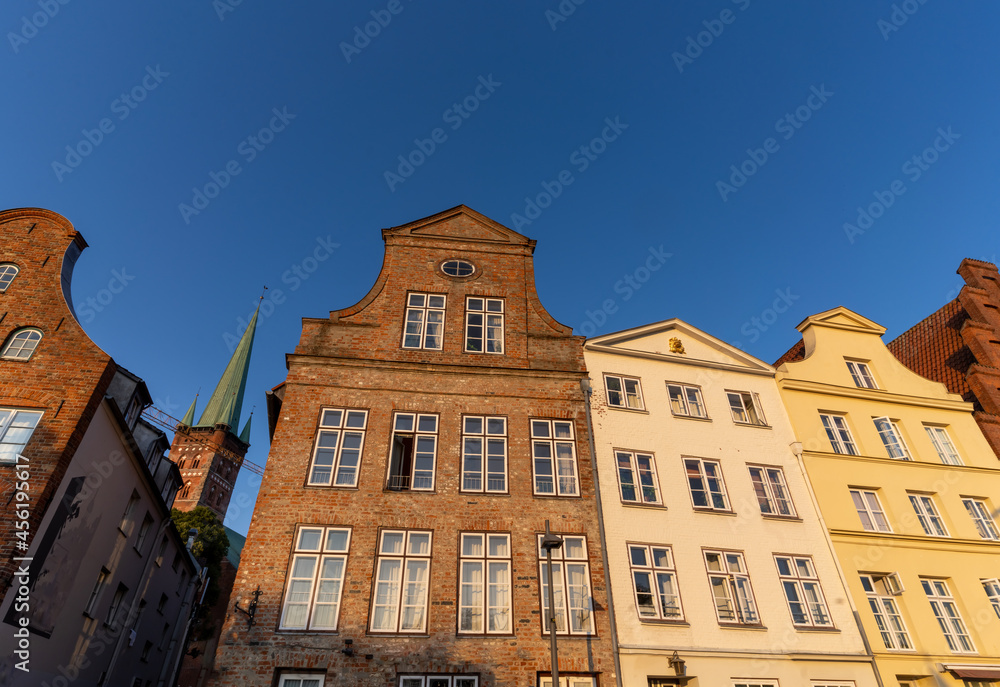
<point x="419" y="443"/>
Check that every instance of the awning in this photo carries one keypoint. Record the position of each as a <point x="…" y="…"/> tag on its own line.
<point x="975" y="672"/>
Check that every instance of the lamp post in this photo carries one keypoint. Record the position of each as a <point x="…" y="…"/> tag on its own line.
<point x="551" y="541"/>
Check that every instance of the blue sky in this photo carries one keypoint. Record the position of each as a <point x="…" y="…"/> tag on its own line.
<point x="737" y="136"/>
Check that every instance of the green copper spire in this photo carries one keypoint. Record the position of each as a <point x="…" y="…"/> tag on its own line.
<point x="224" y="405"/>
<point x="245" y="434"/>
<point x="189" y="415"/>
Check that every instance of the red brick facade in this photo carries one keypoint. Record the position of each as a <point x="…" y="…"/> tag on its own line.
<point x="208" y="476"/>
<point x="355" y="360"/>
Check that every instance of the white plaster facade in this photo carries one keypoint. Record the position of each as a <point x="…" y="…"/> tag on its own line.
<point x="768" y="650"/>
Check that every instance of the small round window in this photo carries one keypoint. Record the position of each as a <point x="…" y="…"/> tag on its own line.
<point x="458" y="268"/>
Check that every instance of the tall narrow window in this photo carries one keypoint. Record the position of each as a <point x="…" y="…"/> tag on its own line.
<point x="340" y="440"/>
<point x="484" y="325"/>
<point x="7" y="273"/>
<point x="484" y="597"/>
<point x="892" y="438"/>
<point x="942" y="444"/>
<point x="571" y="579"/>
<point x="861" y="374"/>
<point x="982" y="518"/>
<point x="745" y="408"/>
<point x="992" y="589"/>
<point x="654" y="581"/>
<point x="129" y="508"/>
<point x="22" y="344"/>
<point x="116" y="603"/>
<point x="402" y="571"/>
<point x="839" y="435"/>
<point x="553" y="450"/>
<point x="484" y="453"/>
<point x="95" y="594"/>
<point x="144" y="528"/>
<point x="414" y="452"/>
<point x="686" y="401"/>
<point x="315" y="579"/>
<point x="771" y="491"/>
<point x="16" y="428"/>
<point x="870" y="511"/>
<point x="708" y="491"/>
<point x="947" y="615"/>
<point x="802" y="591"/>
<point x="623" y="392"/>
<point x="424" y="321"/>
<point x="637" y="477"/>
<point x="930" y="519"/>
<point x="727" y="574"/>
<point x="880" y="590"/>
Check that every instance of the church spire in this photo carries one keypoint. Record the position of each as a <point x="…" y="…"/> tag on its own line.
<point x="189" y="415"/>
<point x="224" y="405"/>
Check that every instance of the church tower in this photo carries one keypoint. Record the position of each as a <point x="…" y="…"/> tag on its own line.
<point x="209" y="452"/>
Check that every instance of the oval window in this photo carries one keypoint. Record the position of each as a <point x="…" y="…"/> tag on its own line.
<point x="458" y="268"/>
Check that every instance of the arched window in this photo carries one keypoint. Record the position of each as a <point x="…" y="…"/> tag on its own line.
<point x="195" y="463"/>
<point x="185" y="491"/>
<point x="22" y="344"/>
<point x="7" y="273"/>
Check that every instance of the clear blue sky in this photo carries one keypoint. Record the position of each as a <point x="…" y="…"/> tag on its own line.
<point x="865" y="90"/>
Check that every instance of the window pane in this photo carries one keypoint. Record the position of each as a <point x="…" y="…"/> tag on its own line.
<point x="336" y="540"/>
<point x="309" y="539"/>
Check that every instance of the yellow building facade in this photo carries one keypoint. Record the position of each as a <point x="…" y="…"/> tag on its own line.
<point x="908" y="488"/>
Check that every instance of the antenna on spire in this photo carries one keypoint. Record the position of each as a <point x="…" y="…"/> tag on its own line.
<point x="262" y="293"/>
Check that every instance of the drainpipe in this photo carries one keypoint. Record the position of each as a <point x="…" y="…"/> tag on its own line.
<point x="587" y="391"/>
<point x="796" y="447"/>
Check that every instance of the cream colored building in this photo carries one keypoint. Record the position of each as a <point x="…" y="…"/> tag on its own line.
<point x="715" y="551"/>
<point x="908" y="487"/>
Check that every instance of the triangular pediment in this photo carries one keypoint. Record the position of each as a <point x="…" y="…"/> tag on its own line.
<point x="461" y="224"/>
<point x="843" y="318"/>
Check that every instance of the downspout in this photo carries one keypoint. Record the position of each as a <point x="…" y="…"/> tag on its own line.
<point x="587" y="391"/>
<point x="796" y="447"/>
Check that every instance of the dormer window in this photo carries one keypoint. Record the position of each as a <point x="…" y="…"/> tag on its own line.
<point x="458" y="268"/>
<point x="7" y="273"/>
<point x="22" y="344"/>
<point x="861" y="374"/>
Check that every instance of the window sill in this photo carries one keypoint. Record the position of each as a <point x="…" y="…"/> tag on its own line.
<point x="387" y="490"/>
<point x="479" y="635"/>
<point x="668" y="623"/>
<point x="750" y="424"/>
<point x="472" y="494"/>
<point x="715" y="511"/>
<point x="805" y="628"/>
<point x="642" y="411"/>
<point x="557" y="497"/>
<point x="331" y="486"/>
<point x="300" y="633"/>
<point x="742" y="626"/>
<point x="786" y="518"/>
<point x="400" y="635"/>
<point x="690" y="417"/>
<point x="633" y="504"/>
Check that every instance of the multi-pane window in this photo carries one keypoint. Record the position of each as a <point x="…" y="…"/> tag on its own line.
<point x="947" y="615"/>
<point x="116" y="603"/>
<point x="686" y="401"/>
<point x="484" y="598"/>
<point x="458" y="268"/>
<point x="424" y="321"/>
<point x="571" y="579"/>
<point x="438" y="681"/>
<point x="7" y="274"/>
<point x="705" y="481"/>
<point x="414" y="452"/>
<point x="144" y="528"/>
<point x="339" y="442"/>
<point x="300" y="680"/>
<point x="484" y="325"/>
<point x="755" y="683"/>
<point x="943" y="445"/>
<point x="870" y="511"/>
<point x="992" y="589"/>
<point x="861" y="374"/>
<point x="316" y="579"/>
<point x="553" y="451"/>
<point x="892" y="438"/>
<point x="16" y="428"/>
<point x="569" y="681"/>
<point x="839" y="434"/>
<point x="981" y="515"/>
<point x="745" y="408"/>
<point x="727" y="574"/>
<point x="880" y="590"/>
<point x="22" y="344"/>
<point x="623" y="392"/>
<point x="402" y="571"/>
<point x="803" y="592"/>
<point x="927" y="514"/>
<point x="129" y="507"/>
<point x="95" y="593"/>
<point x="771" y="491"/>
<point x="637" y="477"/>
<point x="654" y="581"/>
<point x="484" y="453"/>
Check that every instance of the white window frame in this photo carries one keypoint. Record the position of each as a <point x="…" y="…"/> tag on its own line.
<point x="488" y="315"/>
<point x="992" y="588"/>
<point x="706" y="479"/>
<point x="422" y="478"/>
<point x="749" y="408"/>
<point x="8" y="272"/>
<point x="492" y="442"/>
<point x="658" y="568"/>
<point x="800" y="583"/>
<point x="550" y="437"/>
<point x="22" y="344"/>
<point x="732" y="578"/>
<point x="319" y="588"/>
<point x="580" y="597"/>
<point x="947" y="615"/>
<point x="686" y="400"/>
<point x="629" y="399"/>
<point x="480" y="596"/>
<point x="892" y="438"/>
<point x="298" y="679"/>
<point x="982" y="517"/>
<point x="771" y="490"/>
<point x="928" y="515"/>
<point x="862" y="375"/>
<point x="873" y="514"/>
<point x="839" y="434"/>
<point x="642" y="481"/>
<point x="446" y="680"/>
<point x="828" y="683"/>
<point x="421" y="308"/>
<point x="880" y="590"/>
<point x="336" y="427"/>
<point x="457" y="265"/>
<point x="943" y="444"/>
<point x="568" y="681"/>
<point x="395" y="592"/>
<point x="20" y="423"/>
<point x="753" y="682"/>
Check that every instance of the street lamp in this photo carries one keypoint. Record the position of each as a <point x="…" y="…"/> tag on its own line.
<point x="549" y="542"/>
